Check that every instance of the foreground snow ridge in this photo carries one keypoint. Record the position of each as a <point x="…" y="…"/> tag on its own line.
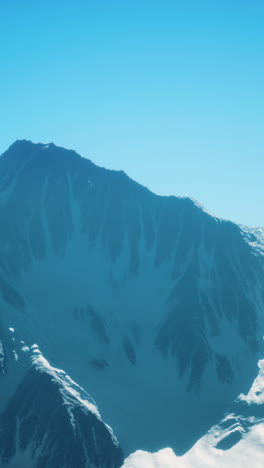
<point x="238" y="441"/>
<point x="249" y="452"/>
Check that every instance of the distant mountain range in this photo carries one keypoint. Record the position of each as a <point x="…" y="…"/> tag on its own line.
<point x="150" y="304"/>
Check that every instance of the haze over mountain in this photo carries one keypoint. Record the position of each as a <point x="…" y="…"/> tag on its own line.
<point x="150" y="304"/>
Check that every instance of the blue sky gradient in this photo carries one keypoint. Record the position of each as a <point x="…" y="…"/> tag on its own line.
<point x="169" y="91"/>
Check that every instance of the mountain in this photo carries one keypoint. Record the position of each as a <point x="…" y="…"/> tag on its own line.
<point x="50" y="421"/>
<point x="149" y="303"/>
<point x="237" y="441"/>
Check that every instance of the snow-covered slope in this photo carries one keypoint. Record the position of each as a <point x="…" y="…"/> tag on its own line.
<point x="237" y="441"/>
<point x="151" y="304"/>
<point x="50" y="421"/>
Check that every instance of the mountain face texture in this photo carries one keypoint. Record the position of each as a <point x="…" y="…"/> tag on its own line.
<point x="49" y="421"/>
<point x="149" y="303"/>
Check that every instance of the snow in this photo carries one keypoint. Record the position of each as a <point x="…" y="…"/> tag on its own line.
<point x="256" y="393"/>
<point x="76" y="404"/>
<point x="60" y="289"/>
<point x="248" y="451"/>
<point x="92" y="280"/>
<point x="68" y="386"/>
<point x="254" y="236"/>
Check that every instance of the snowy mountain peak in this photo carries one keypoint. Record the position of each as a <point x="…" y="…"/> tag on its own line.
<point x="130" y="293"/>
<point x="51" y="421"/>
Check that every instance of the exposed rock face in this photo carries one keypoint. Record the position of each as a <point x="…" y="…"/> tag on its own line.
<point x="2" y="359"/>
<point x="150" y="303"/>
<point x="51" y="422"/>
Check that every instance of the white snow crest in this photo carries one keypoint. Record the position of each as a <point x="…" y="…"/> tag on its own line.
<point x="246" y="450"/>
<point x="256" y="393"/>
<point x="67" y="386"/>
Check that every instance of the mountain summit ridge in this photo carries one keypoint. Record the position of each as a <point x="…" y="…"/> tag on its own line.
<point x="20" y="145"/>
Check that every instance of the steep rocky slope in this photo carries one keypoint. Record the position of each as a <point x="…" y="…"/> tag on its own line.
<point x="151" y="304"/>
<point x="48" y="420"/>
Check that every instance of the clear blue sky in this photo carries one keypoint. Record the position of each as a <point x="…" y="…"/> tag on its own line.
<point x="172" y="92"/>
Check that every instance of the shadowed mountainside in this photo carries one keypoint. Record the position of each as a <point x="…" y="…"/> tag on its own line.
<point x="146" y="301"/>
